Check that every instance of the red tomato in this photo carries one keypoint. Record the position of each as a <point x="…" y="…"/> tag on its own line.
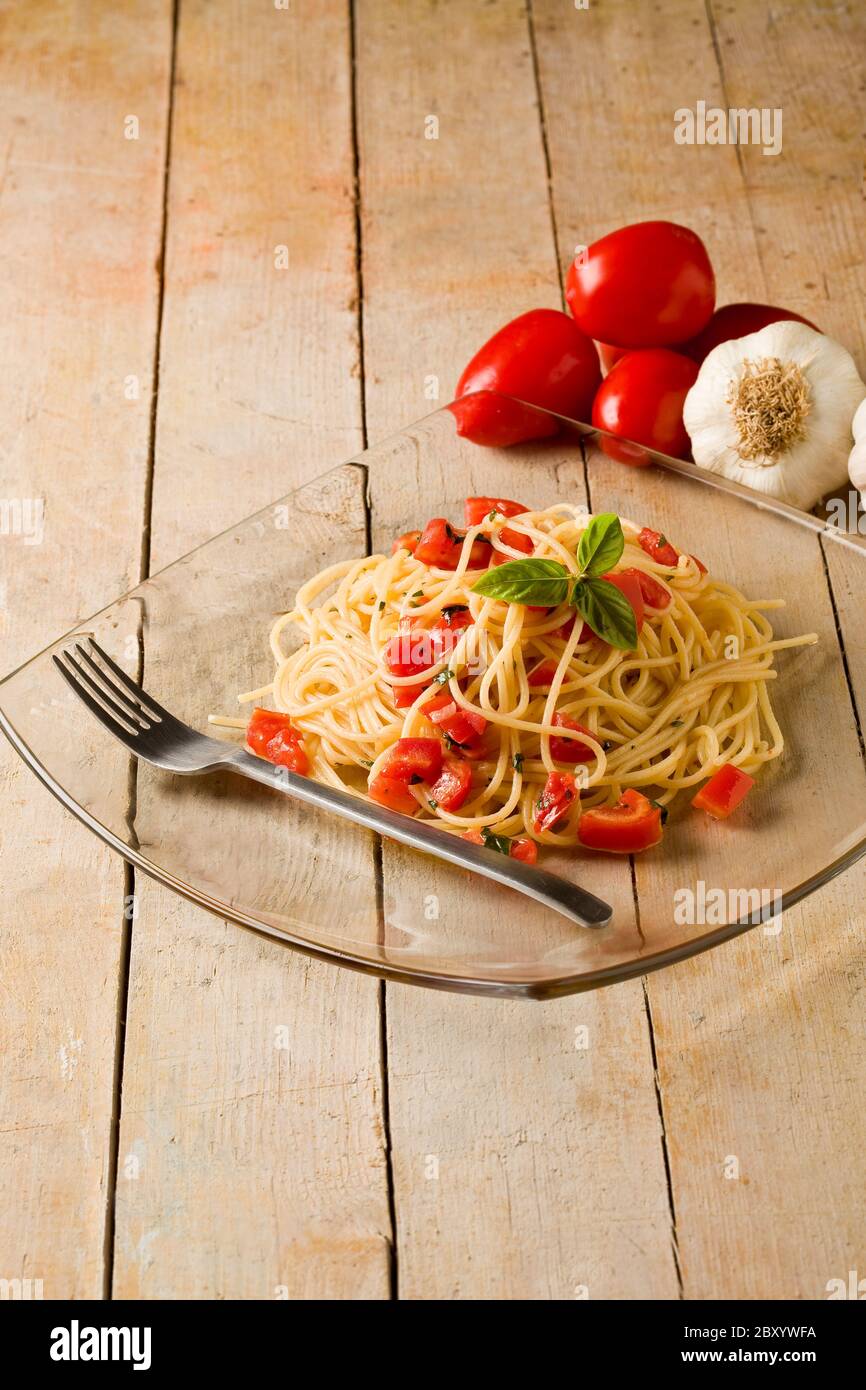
<point x="647" y="285"/>
<point x="542" y="358"/>
<point x="658" y="547"/>
<point x="525" y="850"/>
<point x="273" y="736"/>
<point x="414" y="760"/>
<point x="453" y="785"/>
<point x="542" y="674"/>
<point x="406" y="695"/>
<point x="408" y="541"/>
<point x="517" y="540"/>
<point x="571" y="750"/>
<point x="440" y="545"/>
<point x="724" y="792"/>
<point x="556" y="800"/>
<point x="628" y="582"/>
<point x="654" y="594"/>
<point x="700" y="564"/>
<point x="393" y="793"/>
<point x="630" y="826"/>
<point x="737" y="321"/>
<point x="462" y="726"/>
<point x="477" y="508"/>
<point x="409" y="652"/>
<point x="641" y="399"/>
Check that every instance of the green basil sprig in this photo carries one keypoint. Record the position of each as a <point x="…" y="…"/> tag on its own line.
<point x="547" y="583"/>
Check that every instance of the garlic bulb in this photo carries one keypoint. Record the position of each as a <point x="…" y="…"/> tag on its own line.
<point x="857" y="456"/>
<point x="773" y="410"/>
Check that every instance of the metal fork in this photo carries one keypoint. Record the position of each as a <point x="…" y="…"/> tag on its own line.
<point x="156" y="736"/>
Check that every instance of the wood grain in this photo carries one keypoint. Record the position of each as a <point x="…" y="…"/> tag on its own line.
<point x="504" y="1135"/>
<point x="260" y="1167"/>
<point x="741" y="1075"/>
<point x="80" y="218"/>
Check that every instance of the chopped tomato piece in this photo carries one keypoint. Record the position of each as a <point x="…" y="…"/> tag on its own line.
<point x="393" y="793"/>
<point x="285" y="750"/>
<point x="556" y="800"/>
<point x="724" y="792"/>
<point x="525" y="850"/>
<point x="453" y="785"/>
<point x="272" y="735"/>
<point x="406" y="695"/>
<point x="542" y="674"/>
<point x="571" y="750"/>
<point x="517" y="540"/>
<point x="628" y="582"/>
<point x="565" y="631"/>
<point x="408" y="541"/>
<point x="414" y="760"/>
<point x="700" y="564"/>
<point x="630" y="826"/>
<point x="446" y="631"/>
<point x="409" y="652"/>
<point x="441" y="546"/>
<point x="462" y="726"/>
<point x="658" y="547"/>
<point x="655" y="595"/>
<point x="264" y="723"/>
<point x="477" y="508"/>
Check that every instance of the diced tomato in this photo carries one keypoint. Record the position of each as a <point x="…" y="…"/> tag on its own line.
<point x="700" y="564"/>
<point x="524" y="850"/>
<point x="440" y="545"/>
<point x="264" y="723"/>
<point x="393" y="793"/>
<point x="453" y="785"/>
<point x="272" y="735"/>
<point x="408" y="541"/>
<point x="446" y="631"/>
<point x="414" y="760"/>
<point x="406" y="695"/>
<point x="724" y="792"/>
<point x="477" y="508"/>
<point x="517" y="540"/>
<point x="628" y="582"/>
<point x="285" y="750"/>
<point x="566" y="629"/>
<point x="455" y="617"/>
<point x="409" y="652"/>
<point x="630" y="826"/>
<point x="658" y="547"/>
<point x="462" y="726"/>
<point x="542" y="674"/>
<point x="655" y="595"/>
<point x="556" y="800"/>
<point x="571" y="750"/>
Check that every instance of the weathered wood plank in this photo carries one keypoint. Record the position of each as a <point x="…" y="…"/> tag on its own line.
<point x="80" y="219"/>
<point x="740" y="1073"/>
<point x="515" y="1174"/>
<point x="261" y="1159"/>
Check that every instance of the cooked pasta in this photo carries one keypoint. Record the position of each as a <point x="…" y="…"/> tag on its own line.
<point x="540" y="691"/>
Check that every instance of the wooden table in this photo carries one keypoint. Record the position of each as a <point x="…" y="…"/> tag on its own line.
<point x="164" y="375"/>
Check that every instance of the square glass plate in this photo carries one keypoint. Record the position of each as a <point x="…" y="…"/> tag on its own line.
<point x="197" y="634"/>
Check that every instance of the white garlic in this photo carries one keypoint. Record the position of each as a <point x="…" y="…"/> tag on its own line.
<point x="857" y="456"/>
<point x="773" y="410"/>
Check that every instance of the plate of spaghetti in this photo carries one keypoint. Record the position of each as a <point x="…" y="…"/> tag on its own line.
<point x="527" y="678"/>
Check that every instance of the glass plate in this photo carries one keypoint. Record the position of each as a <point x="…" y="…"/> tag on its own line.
<point x="251" y="855"/>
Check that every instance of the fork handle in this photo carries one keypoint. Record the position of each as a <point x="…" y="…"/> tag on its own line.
<point x="571" y="900"/>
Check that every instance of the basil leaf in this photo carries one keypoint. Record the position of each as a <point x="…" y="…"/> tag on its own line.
<point x="601" y="545"/>
<point x="608" y="612"/>
<point x="500" y="843"/>
<point x="543" y="583"/>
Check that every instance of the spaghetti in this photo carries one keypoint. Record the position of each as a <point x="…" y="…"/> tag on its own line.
<point x="396" y="650"/>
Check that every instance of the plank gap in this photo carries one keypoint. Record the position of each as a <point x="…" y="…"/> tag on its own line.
<point x="675" y="1249"/>
<point x="132" y="794"/>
